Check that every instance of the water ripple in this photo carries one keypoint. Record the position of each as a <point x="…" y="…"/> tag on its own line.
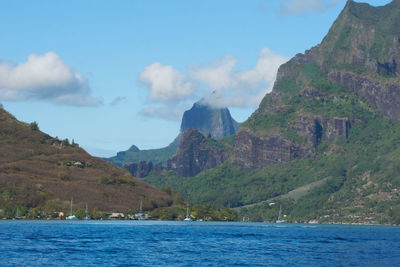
<point x="122" y="243"/>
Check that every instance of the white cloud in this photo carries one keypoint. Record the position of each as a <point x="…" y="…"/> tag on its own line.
<point x="298" y="7"/>
<point x="217" y="74"/>
<point x="171" y="92"/>
<point x="165" y="83"/>
<point x="47" y="78"/>
<point x="239" y="88"/>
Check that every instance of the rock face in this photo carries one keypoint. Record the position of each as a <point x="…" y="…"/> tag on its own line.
<point x="195" y="154"/>
<point x="253" y="151"/>
<point x="384" y="95"/>
<point x="316" y="129"/>
<point x="208" y="120"/>
<point x="139" y="170"/>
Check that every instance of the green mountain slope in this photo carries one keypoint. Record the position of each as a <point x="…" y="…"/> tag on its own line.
<point x="154" y="155"/>
<point x="334" y="113"/>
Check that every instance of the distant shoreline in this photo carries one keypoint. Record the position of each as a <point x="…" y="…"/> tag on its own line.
<point x="197" y="222"/>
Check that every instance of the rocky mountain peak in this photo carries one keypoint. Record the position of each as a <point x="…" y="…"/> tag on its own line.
<point x="133" y="148"/>
<point x="217" y="122"/>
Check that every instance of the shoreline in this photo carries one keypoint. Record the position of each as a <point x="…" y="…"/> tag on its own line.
<point x="198" y="222"/>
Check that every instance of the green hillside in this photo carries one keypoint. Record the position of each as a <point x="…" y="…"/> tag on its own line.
<point x="154" y="155"/>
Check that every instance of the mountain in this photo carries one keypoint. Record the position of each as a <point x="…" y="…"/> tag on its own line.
<point x="197" y="153"/>
<point x="39" y="172"/>
<point x="330" y="124"/>
<point x="216" y="122"/>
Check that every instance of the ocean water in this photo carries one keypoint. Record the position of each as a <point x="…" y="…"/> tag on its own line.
<point x="153" y="243"/>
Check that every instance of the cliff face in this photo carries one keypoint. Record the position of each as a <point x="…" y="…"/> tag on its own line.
<point x="208" y="120"/>
<point x="253" y="151"/>
<point x="384" y="95"/>
<point x="195" y="154"/>
<point x="139" y="170"/>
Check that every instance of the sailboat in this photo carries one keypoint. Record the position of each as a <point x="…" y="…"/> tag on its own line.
<point x="187" y="218"/>
<point x="140" y="215"/>
<point x="280" y="216"/>
<point x="71" y="217"/>
<point x="17" y="217"/>
<point x="87" y="217"/>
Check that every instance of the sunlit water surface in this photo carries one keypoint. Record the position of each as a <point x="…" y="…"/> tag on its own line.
<point x="153" y="243"/>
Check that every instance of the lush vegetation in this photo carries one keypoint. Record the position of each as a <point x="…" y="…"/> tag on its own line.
<point x="364" y="171"/>
<point x="154" y="155"/>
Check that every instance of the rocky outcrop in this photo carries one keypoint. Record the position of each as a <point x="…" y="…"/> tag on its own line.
<point x="330" y="129"/>
<point x="253" y="151"/>
<point x="309" y="92"/>
<point x="195" y="154"/>
<point x="316" y="129"/>
<point x="139" y="170"/>
<point x="384" y="95"/>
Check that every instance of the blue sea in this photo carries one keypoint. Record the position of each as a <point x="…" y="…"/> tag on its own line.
<point x="155" y="243"/>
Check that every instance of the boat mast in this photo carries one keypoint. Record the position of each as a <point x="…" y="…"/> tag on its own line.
<point x="71" y="205"/>
<point x="280" y="212"/>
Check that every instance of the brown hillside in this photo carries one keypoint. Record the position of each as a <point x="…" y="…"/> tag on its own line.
<point x="35" y="168"/>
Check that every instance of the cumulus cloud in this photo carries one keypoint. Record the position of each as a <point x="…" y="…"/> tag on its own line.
<point x="47" y="78"/>
<point x="216" y="74"/>
<point x="165" y="83"/>
<point x="298" y="7"/>
<point x="221" y="83"/>
<point x="241" y="88"/>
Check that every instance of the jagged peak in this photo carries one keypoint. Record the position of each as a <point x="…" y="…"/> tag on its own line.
<point x="367" y="11"/>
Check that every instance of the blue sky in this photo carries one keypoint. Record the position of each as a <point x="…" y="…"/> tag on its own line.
<point x="110" y="74"/>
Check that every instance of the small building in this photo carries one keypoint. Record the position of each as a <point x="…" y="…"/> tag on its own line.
<point x="79" y="164"/>
<point x="116" y="216"/>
